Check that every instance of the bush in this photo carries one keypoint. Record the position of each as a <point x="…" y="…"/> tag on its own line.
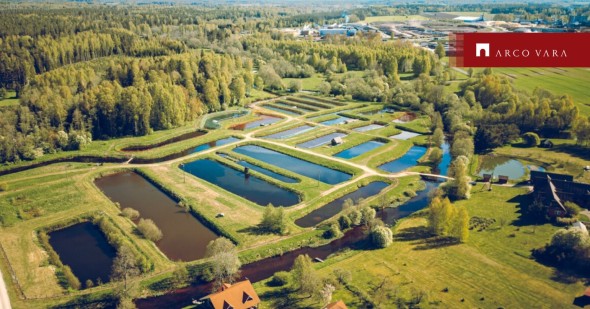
<point x="344" y="276"/>
<point x="3" y="187"/>
<point x="72" y="280"/>
<point x="130" y="213"/>
<point x="280" y="278"/>
<point x="531" y="139"/>
<point x="149" y="230"/>
<point x="572" y="209"/>
<point x="355" y="217"/>
<point x="381" y="236"/>
<point x="295" y="86"/>
<point x="333" y="231"/>
<point x="344" y="222"/>
<point x="367" y="214"/>
<point x="565" y="221"/>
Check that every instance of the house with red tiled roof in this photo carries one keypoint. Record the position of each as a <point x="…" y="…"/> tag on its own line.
<point x="240" y="295"/>
<point x="337" y="305"/>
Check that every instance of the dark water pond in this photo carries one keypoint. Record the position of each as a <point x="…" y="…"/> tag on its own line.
<point x="212" y="144"/>
<point x="322" y="140"/>
<point x="84" y="248"/>
<point x="299" y="166"/>
<point x="214" y="121"/>
<point x="267" y="172"/>
<point x="406" y="161"/>
<point x="355" y="238"/>
<point x="368" y="128"/>
<point x="263" y="121"/>
<point x="334" y="207"/>
<point x="359" y="149"/>
<point x="251" y="187"/>
<point x="291" y="132"/>
<point x="165" y="142"/>
<point x="420" y="201"/>
<point x="404" y="135"/>
<point x="500" y="165"/>
<point x="188" y="151"/>
<point x="185" y="237"/>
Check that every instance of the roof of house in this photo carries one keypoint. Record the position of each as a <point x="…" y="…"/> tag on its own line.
<point x="554" y="194"/>
<point x="240" y="295"/>
<point x="337" y="305"/>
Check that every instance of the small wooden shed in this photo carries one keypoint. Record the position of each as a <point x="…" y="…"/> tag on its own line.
<point x="336" y="141"/>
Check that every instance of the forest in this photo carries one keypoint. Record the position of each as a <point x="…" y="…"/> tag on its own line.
<point x="84" y="74"/>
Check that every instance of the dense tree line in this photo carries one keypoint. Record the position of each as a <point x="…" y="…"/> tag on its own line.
<point x="118" y="97"/>
<point x="508" y="113"/>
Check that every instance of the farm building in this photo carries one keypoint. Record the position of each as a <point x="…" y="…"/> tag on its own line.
<point x="552" y="187"/>
<point x="240" y="295"/>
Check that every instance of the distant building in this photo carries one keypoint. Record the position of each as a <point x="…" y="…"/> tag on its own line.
<point x="337" y="31"/>
<point x="558" y="188"/>
<point x="240" y="295"/>
<point x="470" y="19"/>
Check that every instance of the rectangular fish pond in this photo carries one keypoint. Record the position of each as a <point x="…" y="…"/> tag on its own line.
<point x="85" y="249"/>
<point x="185" y="237"/>
<point x="290" y="133"/>
<point x="261" y="170"/>
<point x="359" y="149"/>
<point x="322" y="140"/>
<point x="263" y="121"/>
<point x="295" y="165"/>
<point x="214" y="122"/>
<point x="406" y="161"/>
<point x="334" y="207"/>
<point x="237" y="182"/>
<point x="368" y="128"/>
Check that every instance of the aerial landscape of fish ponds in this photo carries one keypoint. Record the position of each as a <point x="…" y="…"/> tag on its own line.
<point x="331" y="181"/>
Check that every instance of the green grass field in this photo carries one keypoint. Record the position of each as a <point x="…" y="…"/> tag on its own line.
<point x="10" y="100"/>
<point x="492" y="270"/>
<point x="572" y="81"/>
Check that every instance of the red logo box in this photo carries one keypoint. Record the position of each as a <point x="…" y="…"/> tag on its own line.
<point x="520" y="49"/>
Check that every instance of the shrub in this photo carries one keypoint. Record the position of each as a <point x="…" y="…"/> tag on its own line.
<point x="367" y="214"/>
<point x="3" y="187"/>
<point x="381" y="236"/>
<point x="344" y="222"/>
<point x="531" y="139"/>
<point x="344" y="276"/>
<point x="130" y="213"/>
<point x="295" y="85"/>
<point x="572" y="209"/>
<point x="355" y="217"/>
<point x="149" y="230"/>
<point x="333" y="231"/>
<point x="72" y="280"/>
<point x="565" y="221"/>
<point x="280" y="278"/>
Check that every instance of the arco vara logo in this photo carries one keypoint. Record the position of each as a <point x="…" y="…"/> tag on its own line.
<point x="519" y="50"/>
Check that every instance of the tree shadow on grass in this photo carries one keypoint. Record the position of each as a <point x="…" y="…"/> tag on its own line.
<point x="421" y="237"/>
<point x="524" y="200"/>
<point x="284" y="298"/>
<point x="573" y="150"/>
<point x="254" y="230"/>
